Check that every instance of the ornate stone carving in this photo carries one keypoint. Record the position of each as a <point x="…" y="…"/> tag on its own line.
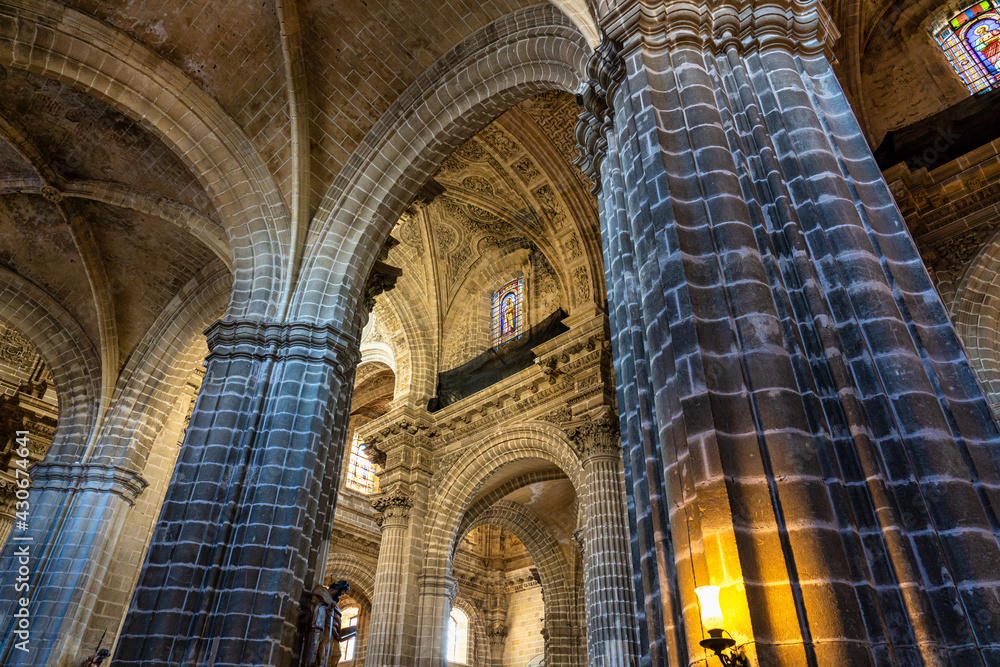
<point x="51" y="194"/>
<point x="373" y="453"/>
<point x="597" y="437"/>
<point x="496" y="634"/>
<point x="382" y="279"/>
<point x="392" y="508"/>
<point x="16" y="349"/>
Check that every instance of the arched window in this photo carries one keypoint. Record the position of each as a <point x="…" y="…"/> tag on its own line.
<point x="971" y="40"/>
<point x="507" y="321"/>
<point x="458" y="637"/>
<point x="360" y="471"/>
<point x="348" y="619"/>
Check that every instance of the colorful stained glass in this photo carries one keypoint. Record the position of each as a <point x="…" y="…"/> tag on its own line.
<point x="507" y="322"/>
<point x="972" y="43"/>
<point x="360" y="471"/>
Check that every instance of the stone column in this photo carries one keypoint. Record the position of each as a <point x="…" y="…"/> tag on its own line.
<point x="250" y="501"/>
<point x="385" y="629"/>
<point x="76" y="511"/>
<point x="611" y="633"/>
<point x="800" y="423"/>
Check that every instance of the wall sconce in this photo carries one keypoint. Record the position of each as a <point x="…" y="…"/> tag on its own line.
<point x="711" y="618"/>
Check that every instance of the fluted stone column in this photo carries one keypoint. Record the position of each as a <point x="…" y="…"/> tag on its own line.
<point x="385" y="630"/>
<point x="800" y="423"/>
<point x="243" y="521"/>
<point x="611" y="632"/>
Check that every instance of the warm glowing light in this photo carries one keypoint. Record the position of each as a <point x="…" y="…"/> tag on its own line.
<point x="711" y="610"/>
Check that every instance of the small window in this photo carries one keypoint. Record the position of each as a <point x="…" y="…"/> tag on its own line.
<point x="349" y="619"/>
<point x="458" y="637"/>
<point x="971" y="41"/>
<point x="507" y="321"/>
<point x="360" y="471"/>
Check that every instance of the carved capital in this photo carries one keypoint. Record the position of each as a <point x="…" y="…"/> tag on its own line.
<point x="257" y="339"/>
<point x="496" y="633"/>
<point x="392" y="508"/>
<point x="803" y="26"/>
<point x="7" y="498"/>
<point x="597" y="437"/>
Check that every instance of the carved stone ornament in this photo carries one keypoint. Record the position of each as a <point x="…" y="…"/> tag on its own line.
<point x="497" y="633"/>
<point x="382" y="279"/>
<point x="373" y="453"/>
<point x="597" y="437"/>
<point x="392" y="508"/>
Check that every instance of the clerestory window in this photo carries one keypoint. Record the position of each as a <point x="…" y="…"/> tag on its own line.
<point x="971" y="41"/>
<point x="507" y="321"/>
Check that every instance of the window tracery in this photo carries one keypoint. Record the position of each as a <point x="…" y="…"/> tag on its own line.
<point x="507" y="321"/>
<point x="971" y="41"/>
<point x="360" y="471"/>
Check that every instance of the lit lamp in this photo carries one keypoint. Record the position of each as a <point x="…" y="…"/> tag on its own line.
<point x="711" y="618"/>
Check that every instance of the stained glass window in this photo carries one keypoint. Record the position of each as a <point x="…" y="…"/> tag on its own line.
<point x="360" y="471"/>
<point x="971" y="40"/>
<point x="507" y="322"/>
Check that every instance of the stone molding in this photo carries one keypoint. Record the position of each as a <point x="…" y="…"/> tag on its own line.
<point x="257" y="340"/>
<point x="103" y="477"/>
<point x="802" y="27"/>
<point x="606" y="71"/>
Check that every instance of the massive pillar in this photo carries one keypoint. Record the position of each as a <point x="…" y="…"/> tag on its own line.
<point x="242" y="523"/>
<point x="800" y="423"/>
<point x="611" y="638"/>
